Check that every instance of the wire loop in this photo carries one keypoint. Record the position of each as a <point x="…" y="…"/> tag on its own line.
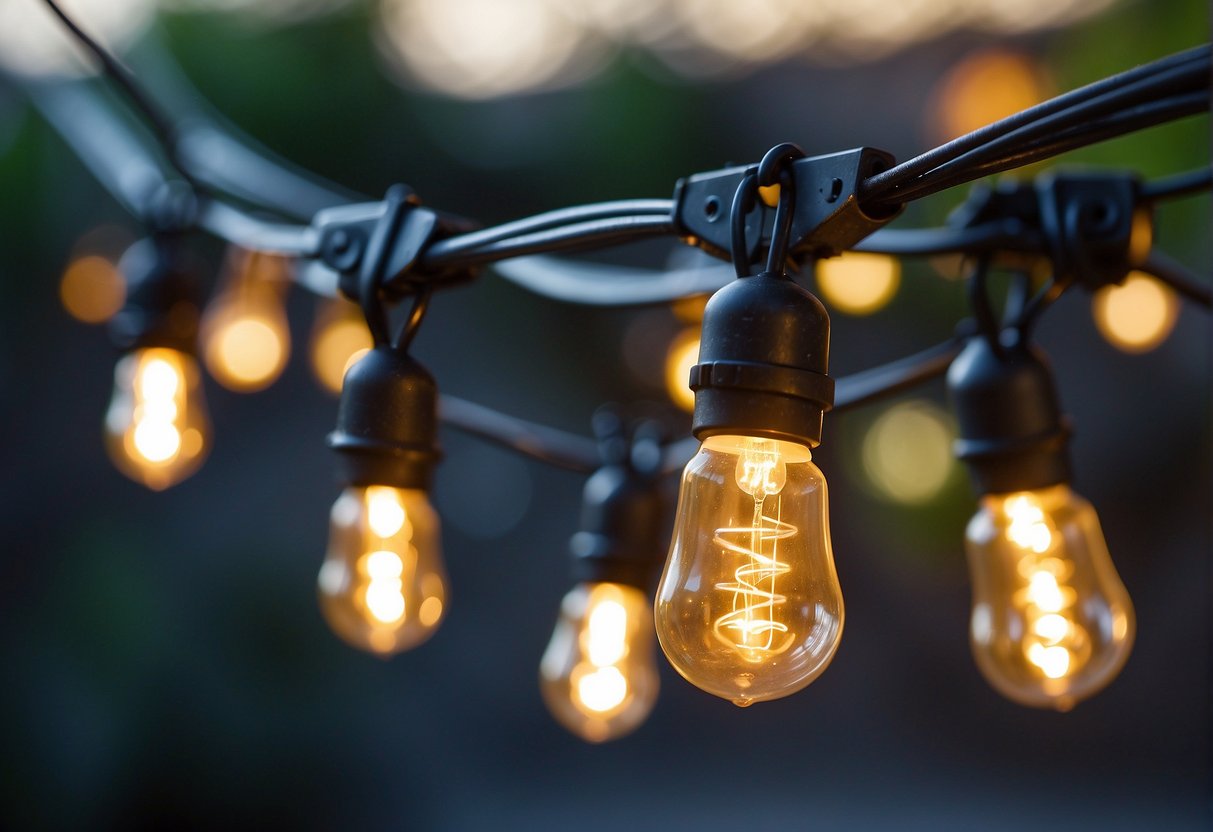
<point x="744" y="200"/>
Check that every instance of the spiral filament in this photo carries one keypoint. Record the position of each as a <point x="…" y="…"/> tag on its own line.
<point x="751" y="626"/>
<point x="1054" y="643"/>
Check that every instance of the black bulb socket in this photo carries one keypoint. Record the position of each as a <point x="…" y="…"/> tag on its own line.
<point x="623" y="529"/>
<point x="161" y="308"/>
<point x="387" y="422"/>
<point x="1012" y="433"/>
<point x="763" y="360"/>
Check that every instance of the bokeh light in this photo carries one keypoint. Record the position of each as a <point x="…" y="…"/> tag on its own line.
<point x="339" y="339"/>
<point x="1137" y="315"/>
<point x="907" y="452"/>
<point x="34" y="42"/>
<point x="245" y="333"/>
<point x="682" y="355"/>
<point x="486" y="48"/>
<point x="984" y="87"/>
<point x="858" y="283"/>
<point x="272" y="11"/>
<point x="92" y="289"/>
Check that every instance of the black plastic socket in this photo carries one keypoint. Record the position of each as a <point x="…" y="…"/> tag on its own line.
<point x="1013" y="436"/>
<point x="161" y="308"/>
<point x="387" y="422"/>
<point x="763" y="362"/>
<point x="623" y="533"/>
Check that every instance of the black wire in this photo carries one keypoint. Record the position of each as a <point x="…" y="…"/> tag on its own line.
<point x="447" y="254"/>
<point x="124" y="79"/>
<point x="539" y="442"/>
<point x="975" y="166"/>
<point x="878" y="188"/>
<point x="1179" y="185"/>
<point x="561" y="217"/>
<point x="1178" y="277"/>
<point x="925" y="242"/>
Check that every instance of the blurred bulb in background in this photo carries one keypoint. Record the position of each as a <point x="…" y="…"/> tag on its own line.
<point x="92" y="289"/>
<point x="1052" y="623"/>
<point x="598" y="675"/>
<point x="749" y="606"/>
<point x="858" y="283"/>
<point x="34" y="42"/>
<point x="984" y="87"/>
<point x="382" y="587"/>
<point x="245" y="334"/>
<point x="156" y="427"/>
<point x="1136" y="316"/>
<point x="907" y="452"/>
<point x="680" y="358"/>
<point x="339" y="339"/>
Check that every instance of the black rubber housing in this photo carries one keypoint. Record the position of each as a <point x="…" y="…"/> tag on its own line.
<point x="161" y="308"/>
<point x="387" y="422"/>
<point x="763" y="361"/>
<point x="623" y="535"/>
<point x="1013" y="436"/>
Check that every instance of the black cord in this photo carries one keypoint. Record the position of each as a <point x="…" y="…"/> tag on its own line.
<point x="125" y="81"/>
<point x="1179" y="278"/>
<point x="539" y="442"/>
<point x="877" y="189"/>
<point x="1179" y="185"/>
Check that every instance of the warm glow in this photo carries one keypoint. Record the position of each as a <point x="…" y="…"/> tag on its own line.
<point x="907" y="452"/>
<point x="382" y="586"/>
<point x="92" y="289"/>
<point x="597" y="675"/>
<point x="985" y="87"/>
<point x="602" y="689"/>
<point x="1028" y="527"/>
<point x="156" y="426"/>
<point x="339" y="339"/>
<point x="858" y="283"/>
<point x="385" y="514"/>
<point x="748" y="607"/>
<point x="244" y="329"/>
<point x="484" y="48"/>
<point x="682" y="356"/>
<point x="1137" y="315"/>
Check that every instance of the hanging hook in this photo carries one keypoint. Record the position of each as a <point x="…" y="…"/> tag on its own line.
<point x="744" y="200"/>
<point x="979" y="299"/>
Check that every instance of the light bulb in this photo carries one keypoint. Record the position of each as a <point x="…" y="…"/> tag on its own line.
<point x="382" y="587"/>
<point x="156" y="428"/>
<point x="246" y="336"/>
<point x="749" y="606"/>
<point x="598" y="675"/>
<point x="1052" y="623"/>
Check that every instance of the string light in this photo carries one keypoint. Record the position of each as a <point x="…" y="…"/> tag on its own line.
<point x="1136" y="316"/>
<point x="339" y="339"/>
<point x="748" y="607"/>
<point x="245" y="333"/>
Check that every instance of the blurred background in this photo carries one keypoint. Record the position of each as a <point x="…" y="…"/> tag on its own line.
<point x="165" y="663"/>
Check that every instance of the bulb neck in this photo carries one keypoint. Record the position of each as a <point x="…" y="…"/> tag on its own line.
<point x="1013" y="435"/>
<point x="387" y="422"/>
<point x="623" y="529"/>
<point x="763" y="362"/>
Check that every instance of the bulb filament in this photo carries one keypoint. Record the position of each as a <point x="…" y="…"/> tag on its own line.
<point x="750" y="627"/>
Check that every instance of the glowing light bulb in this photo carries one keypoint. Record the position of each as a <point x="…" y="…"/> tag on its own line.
<point x="382" y="587"/>
<point x="156" y="428"/>
<point x="598" y="675"/>
<point x="749" y="606"/>
<point x="1136" y="316"/>
<point x="1052" y="623"/>
<point x="681" y="357"/>
<point x="339" y="339"/>
<point x="245" y="331"/>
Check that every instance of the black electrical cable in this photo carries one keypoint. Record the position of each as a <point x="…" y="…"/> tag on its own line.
<point x="125" y="81"/>
<point x="926" y="242"/>
<point x="1179" y="185"/>
<point x="446" y="254"/>
<point x="877" y="189"/>
<point x="1178" y="277"/>
<point x="986" y="160"/>
<point x="539" y="442"/>
<point x="560" y="217"/>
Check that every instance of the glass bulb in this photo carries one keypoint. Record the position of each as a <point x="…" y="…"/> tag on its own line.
<point x="749" y="606"/>
<point x="382" y="587"/>
<point x="156" y="429"/>
<point x="598" y="675"/>
<point x="1052" y="623"/>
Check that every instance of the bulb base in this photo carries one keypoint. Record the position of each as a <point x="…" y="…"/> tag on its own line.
<point x="623" y="533"/>
<point x="387" y="422"/>
<point x="763" y="362"/>
<point x="1013" y="435"/>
